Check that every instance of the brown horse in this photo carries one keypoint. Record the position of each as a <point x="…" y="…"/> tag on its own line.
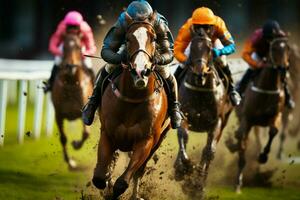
<point x="263" y="104"/>
<point x="71" y="89"/>
<point x="205" y="105"/>
<point x="133" y="113"/>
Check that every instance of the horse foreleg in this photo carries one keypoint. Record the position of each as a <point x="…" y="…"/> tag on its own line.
<point x="257" y="138"/>
<point x="182" y="164"/>
<point x="105" y="156"/>
<point x="242" y="137"/>
<point x="77" y="144"/>
<point x="209" y="150"/>
<point x="263" y="157"/>
<point x="282" y="135"/>
<point x="138" y="160"/>
<point x="63" y="140"/>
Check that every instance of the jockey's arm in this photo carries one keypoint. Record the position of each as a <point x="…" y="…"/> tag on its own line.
<point x="88" y="39"/>
<point x="164" y="43"/>
<point x="112" y="43"/>
<point x="225" y="37"/>
<point x="56" y="40"/>
<point x="182" y="41"/>
<point x="247" y="54"/>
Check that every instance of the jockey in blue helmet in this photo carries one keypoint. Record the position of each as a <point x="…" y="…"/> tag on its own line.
<point x="114" y="53"/>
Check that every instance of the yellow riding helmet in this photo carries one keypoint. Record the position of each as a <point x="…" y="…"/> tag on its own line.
<point x="203" y="15"/>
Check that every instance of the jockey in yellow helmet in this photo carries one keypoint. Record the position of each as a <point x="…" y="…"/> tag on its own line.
<point x="214" y="26"/>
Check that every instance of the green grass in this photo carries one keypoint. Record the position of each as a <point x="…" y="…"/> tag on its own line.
<point x="36" y="170"/>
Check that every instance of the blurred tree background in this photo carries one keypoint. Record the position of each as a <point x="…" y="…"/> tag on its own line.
<point x="26" y="25"/>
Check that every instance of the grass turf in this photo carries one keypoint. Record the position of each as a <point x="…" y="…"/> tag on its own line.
<point x="36" y="170"/>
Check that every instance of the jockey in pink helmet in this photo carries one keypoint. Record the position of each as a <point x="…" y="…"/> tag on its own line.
<point x="73" y="22"/>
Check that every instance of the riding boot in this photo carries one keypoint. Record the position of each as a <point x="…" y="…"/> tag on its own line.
<point x="235" y="97"/>
<point x="49" y="84"/>
<point x="242" y="84"/>
<point x="90" y="108"/>
<point x="174" y="105"/>
<point x="289" y="102"/>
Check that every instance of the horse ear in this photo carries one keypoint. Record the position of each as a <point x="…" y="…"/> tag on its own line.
<point x="153" y="17"/>
<point x="128" y="19"/>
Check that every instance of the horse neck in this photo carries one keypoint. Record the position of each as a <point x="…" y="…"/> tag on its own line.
<point x="73" y="57"/>
<point x="268" y="79"/>
<point x="127" y="88"/>
<point x="209" y="83"/>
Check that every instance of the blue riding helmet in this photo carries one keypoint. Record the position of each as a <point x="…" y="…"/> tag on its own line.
<point x="139" y="10"/>
<point x="271" y="29"/>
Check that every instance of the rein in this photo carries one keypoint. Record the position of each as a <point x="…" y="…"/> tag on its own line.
<point x="270" y="49"/>
<point x="140" y="49"/>
<point x="263" y="91"/>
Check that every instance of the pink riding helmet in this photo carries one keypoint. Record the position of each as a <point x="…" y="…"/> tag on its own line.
<point x="73" y="18"/>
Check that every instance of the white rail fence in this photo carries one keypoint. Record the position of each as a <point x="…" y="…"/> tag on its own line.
<point x="30" y="75"/>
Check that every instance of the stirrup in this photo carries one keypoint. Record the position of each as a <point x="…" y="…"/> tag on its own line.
<point x="235" y="98"/>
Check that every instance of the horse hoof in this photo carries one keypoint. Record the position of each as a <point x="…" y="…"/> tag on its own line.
<point x="263" y="158"/>
<point x="238" y="190"/>
<point x="76" y="144"/>
<point x="72" y="164"/>
<point x="99" y="183"/>
<point x="231" y="146"/>
<point x="182" y="167"/>
<point x="120" y="187"/>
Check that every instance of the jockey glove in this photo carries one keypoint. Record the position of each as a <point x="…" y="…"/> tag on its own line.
<point x="158" y="59"/>
<point x="216" y="53"/>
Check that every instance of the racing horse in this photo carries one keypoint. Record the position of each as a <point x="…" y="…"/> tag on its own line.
<point x="263" y="104"/>
<point x="205" y="105"/>
<point x="133" y="113"/>
<point x="71" y="89"/>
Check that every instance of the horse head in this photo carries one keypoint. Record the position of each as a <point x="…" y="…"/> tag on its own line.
<point x="72" y="56"/>
<point x="201" y="57"/>
<point x="279" y="53"/>
<point x="140" y="44"/>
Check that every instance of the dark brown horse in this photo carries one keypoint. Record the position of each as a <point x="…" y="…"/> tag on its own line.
<point x="71" y="89"/>
<point x="263" y="104"/>
<point x="133" y="113"/>
<point x="205" y="105"/>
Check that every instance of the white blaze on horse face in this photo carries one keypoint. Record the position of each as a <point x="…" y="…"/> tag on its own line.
<point x="141" y="59"/>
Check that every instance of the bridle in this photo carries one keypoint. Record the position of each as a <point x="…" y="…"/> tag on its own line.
<point x="130" y="56"/>
<point x="271" y="57"/>
<point x="203" y="60"/>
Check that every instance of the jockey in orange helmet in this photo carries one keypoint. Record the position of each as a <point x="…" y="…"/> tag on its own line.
<point x="72" y="22"/>
<point x="203" y="18"/>
<point x="256" y="48"/>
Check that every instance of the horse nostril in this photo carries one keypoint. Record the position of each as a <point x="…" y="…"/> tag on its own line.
<point x="145" y="72"/>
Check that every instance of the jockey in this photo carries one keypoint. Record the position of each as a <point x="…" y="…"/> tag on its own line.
<point x="72" y="23"/>
<point x="114" y="55"/>
<point x="214" y="26"/>
<point x="256" y="48"/>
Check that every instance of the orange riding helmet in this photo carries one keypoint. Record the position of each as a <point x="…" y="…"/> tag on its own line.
<point x="203" y="15"/>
